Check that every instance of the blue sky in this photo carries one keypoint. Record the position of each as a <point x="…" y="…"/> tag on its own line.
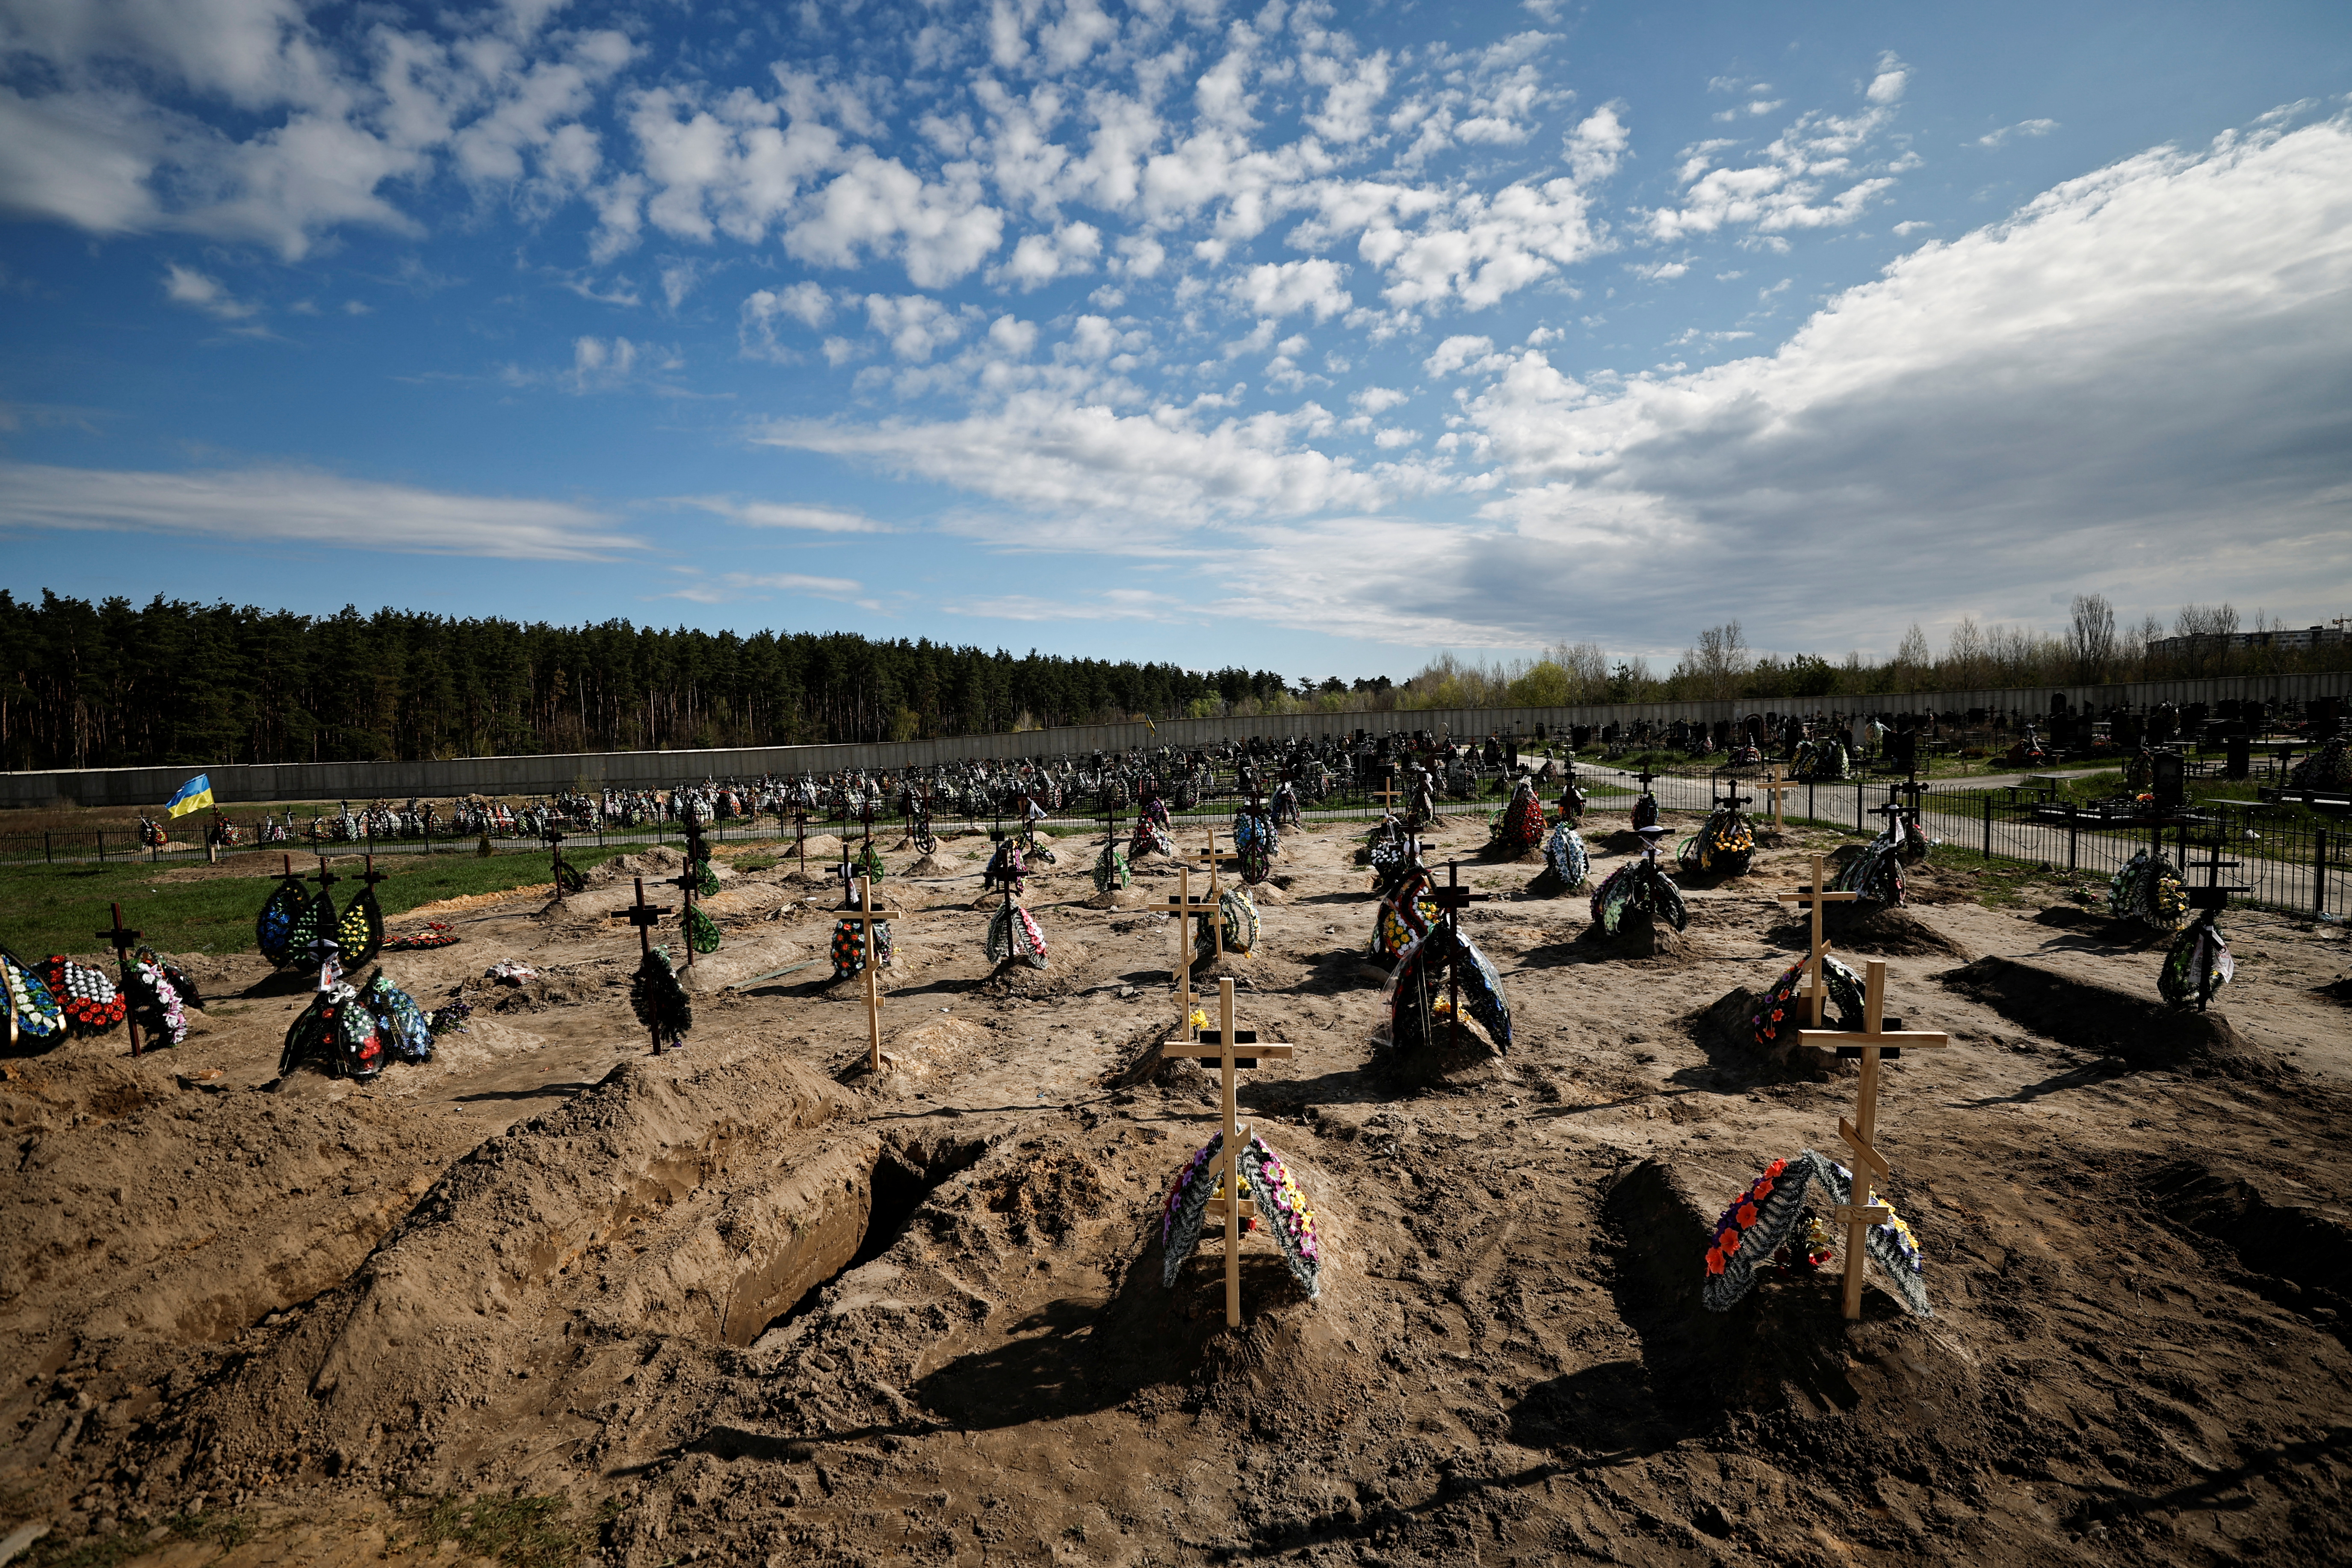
<point x="1313" y="338"/>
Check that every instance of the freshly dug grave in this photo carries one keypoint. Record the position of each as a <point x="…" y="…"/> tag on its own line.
<point x="752" y="1303"/>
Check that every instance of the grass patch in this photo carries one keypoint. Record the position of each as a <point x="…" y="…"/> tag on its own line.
<point x="519" y="1532"/>
<point x="56" y="908"/>
<point x="228" y="1530"/>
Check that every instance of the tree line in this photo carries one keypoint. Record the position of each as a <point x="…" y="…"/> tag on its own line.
<point x="112" y="684"/>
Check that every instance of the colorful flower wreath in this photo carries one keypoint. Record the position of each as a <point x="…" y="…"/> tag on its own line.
<point x="2149" y="890"/>
<point x="450" y="1018"/>
<point x="1288" y="1217"/>
<point x="849" y="945"/>
<point x="1014" y="933"/>
<point x="1237" y="912"/>
<point x="434" y="933"/>
<point x="89" y="1001"/>
<point x="338" y="1033"/>
<point x="155" y="1003"/>
<point x="1405" y="915"/>
<point x="1786" y="996"/>
<point x="1764" y="1218"/>
<point x="1519" y="828"/>
<point x="360" y="932"/>
<point x="1726" y="844"/>
<point x="34" y="1005"/>
<point x="1111" y="869"/>
<point x="313" y="924"/>
<point x="273" y="928"/>
<point x="406" y="1032"/>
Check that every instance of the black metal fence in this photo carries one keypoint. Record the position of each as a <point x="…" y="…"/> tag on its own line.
<point x="2289" y="862"/>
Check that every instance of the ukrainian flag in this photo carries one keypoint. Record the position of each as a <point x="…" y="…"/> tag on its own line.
<point x="194" y="795"/>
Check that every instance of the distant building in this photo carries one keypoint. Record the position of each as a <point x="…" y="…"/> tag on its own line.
<point x="2308" y="637"/>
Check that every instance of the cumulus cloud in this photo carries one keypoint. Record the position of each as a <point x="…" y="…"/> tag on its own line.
<point x="298" y="506"/>
<point x="1279" y="288"/>
<point x="1810" y="177"/>
<point x="2046" y="388"/>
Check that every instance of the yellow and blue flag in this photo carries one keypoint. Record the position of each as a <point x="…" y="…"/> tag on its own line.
<point x="194" y="795"/>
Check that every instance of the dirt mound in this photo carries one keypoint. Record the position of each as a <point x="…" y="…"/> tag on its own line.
<point x="451" y="1308"/>
<point x="2090" y="1016"/>
<point x="2301" y="1241"/>
<point x="1883" y="929"/>
<point x="660" y="860"/>
<point x="1785" y="1346"/>
<point x="935" y="864"/>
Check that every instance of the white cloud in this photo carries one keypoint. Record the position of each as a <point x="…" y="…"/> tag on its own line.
<point x="298" y="506"/>
<point x="1482" y="247"/>
<point x="730" y="586"/>
<point x="1596" y="145"/>
<point x="785" y="514"/>
<point x="2042" y="395"/>
<point x="1040" y="258"/>
<point x="1378" y="399"/>
<point x="1788" y="189"/>
<point x="1278" y="288"/>
<point x="1103" y="466"/>
<point x="201" y="291"/>
<point x="2022" y="128"/>
<point x="917" y="325"/>
<point x="1457" y="351"/>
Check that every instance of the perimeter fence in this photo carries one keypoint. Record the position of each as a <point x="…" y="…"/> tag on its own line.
<point x="2291" y="860"/>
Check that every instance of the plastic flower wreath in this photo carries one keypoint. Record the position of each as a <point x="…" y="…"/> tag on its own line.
<point x="1763" y="1219"/>
<point x="1566" y="855"/>
<point x="38" y="1017"/>
<point x="89" y="1001"/>
<point x="1788" y="994"/>
<point x="155" y="1003"/>
<point x="1284" y="1209"/>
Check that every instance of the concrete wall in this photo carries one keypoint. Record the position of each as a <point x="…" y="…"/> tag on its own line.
<point x="143" y="787"/>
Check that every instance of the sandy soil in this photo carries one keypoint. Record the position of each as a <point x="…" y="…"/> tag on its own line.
<point x="753" y="1303"/>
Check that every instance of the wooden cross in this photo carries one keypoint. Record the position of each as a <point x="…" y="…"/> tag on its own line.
<point x="869" y="913"/>
<point x="1776" y="786"/>
<point x="554" y="838"/>
<point x="1212" y="859"/>
<point x="325" y="878"/>
<point x="123" y="940"/>
<point x="1236" y="1206"/>
<point x="1185" y="910"/>
<point x="1451" y="900"/>
<point x="1861" y="1213"/>
<point x="1817" y="956"/>
<point x="644" y="917"/>
<point x="800" y="836"/>
<point x="1387" y="793"/>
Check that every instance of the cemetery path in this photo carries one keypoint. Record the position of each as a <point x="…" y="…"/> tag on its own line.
<point x="753" y="1302"/>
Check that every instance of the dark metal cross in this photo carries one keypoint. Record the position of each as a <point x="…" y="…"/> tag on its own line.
<point x="644" y="917"/>
<point x="1735" y="799"/>
<point x="123" y="940"/>
<point x="1451" y="900"/>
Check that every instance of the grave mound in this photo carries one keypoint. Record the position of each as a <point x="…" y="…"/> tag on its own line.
<point x="2142" y="1031"/>
<point x="1882" y="929"/>
<point x="1785" y="1346"/>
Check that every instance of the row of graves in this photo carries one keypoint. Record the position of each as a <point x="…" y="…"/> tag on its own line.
<point x="1444" y="999"/>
